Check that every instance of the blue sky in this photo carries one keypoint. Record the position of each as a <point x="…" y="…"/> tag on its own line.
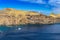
<point x="43" y="6"/>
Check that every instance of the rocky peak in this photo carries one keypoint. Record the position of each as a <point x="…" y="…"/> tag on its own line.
<point x="9" y="9"/>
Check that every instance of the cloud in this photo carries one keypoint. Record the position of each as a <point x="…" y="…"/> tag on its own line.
<point x="56" y="10"/>
<point x="34" y="1"/>
<point x="55" y="3"/>
<point x="39" y="1"/>
<point x="52" y="2"/>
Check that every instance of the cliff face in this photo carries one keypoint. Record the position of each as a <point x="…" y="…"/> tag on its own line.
<point x="17" y="17"/>
<point x="56" y="17"/>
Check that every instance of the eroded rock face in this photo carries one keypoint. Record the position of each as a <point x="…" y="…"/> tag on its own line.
<point x="14" y="17"/>
<point x="31" y="19"/>
<point x="41" y="19"/>
<point x="56" y="17"/>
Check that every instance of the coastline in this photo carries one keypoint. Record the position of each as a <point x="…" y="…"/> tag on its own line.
<point x="12" y="17"/>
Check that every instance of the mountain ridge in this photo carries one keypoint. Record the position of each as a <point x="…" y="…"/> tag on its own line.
<point x="10" y="16"/>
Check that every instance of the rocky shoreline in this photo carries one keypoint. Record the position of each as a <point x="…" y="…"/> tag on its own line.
<point x="17" y="17"/>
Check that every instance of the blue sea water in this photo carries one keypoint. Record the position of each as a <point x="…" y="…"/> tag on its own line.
<point x="30" y="32"/>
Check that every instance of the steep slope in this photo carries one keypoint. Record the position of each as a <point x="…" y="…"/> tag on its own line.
<point x="10" y="16"/>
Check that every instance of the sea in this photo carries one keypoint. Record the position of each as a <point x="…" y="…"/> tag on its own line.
<point x="30" y="32"/>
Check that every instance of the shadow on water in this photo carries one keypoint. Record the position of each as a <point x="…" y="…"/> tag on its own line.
<point x="31" y="32"/>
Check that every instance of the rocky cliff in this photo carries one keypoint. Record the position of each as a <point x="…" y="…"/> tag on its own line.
<point x="10" y="16"/>
<point x="56" y="17"/>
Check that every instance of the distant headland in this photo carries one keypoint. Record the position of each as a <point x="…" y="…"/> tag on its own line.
<point x="9" y="16"/>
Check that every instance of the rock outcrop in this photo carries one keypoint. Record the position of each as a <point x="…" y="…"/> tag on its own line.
<point x="56" y="17"/>
<point x="16" y="17"/>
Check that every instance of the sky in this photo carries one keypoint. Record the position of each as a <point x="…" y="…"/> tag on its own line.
<point x="44" y="6"/>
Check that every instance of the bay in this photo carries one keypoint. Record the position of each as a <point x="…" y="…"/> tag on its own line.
<point x="30" y="32"/>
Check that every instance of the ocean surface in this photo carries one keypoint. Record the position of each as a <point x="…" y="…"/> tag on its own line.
<point x="30" y="32"/>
